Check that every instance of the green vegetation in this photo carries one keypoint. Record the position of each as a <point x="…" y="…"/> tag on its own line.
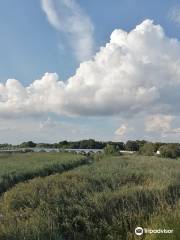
<point x="132" y="146"/>
<point x="170" y="151"/>
<point x="104" y="200"/>
<point x="28" y="144"/>
<point x="169" y="220"/>
<point x="148" y="149"/>
<point x="111" y="149"/>
<point x="18" y="167"/>
<point x="82" y="144"/>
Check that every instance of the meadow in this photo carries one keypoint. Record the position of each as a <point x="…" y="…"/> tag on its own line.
<point x="18" y="167"/>
<point x="104" y="200"/>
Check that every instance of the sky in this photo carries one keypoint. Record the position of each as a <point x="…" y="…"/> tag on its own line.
<point x="74" y="69"/>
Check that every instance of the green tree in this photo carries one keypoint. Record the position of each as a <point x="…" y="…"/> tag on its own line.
<point x="170" y="151"/>
<point x="110" y="149"/>
<point x="29" y="144"/>
<point x="63" y="144"/>
<point x="141" y="143"/>
<point x="132" y="146"/>
<point x="148" y="149"/>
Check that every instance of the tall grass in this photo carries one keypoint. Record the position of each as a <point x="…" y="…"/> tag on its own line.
<point x="19" y="167"/>
<point x="103" y="201"/>
<point x="170" y="219"/>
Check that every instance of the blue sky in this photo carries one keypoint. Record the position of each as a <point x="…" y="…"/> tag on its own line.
<point x="30" y="46"/>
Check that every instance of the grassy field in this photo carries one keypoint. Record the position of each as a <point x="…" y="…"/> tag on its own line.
<point x="105" y="201"/>
<point x="18" y="167"/>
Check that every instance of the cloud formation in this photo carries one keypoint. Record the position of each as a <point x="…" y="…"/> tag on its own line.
<point x="158" y="123"/>
<point x="41" y="129"/>
<point x="135" y="72"/>
<point x="121" y="131"/>
<point x="66" y="16"/>
<point x="161" y="124"/>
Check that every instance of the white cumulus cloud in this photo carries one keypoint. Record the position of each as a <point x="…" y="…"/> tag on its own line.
<point x="68" y="17"/>
<point x="121" y="131"/>
<point x="158" y="123"/>
<point x="135" y="72"/>
<point x="161" y="124"/>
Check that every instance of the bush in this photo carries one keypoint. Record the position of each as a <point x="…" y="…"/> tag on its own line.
<point x="111" y="149"/>
<point x="97" y="156"/>
<point x="170" y="151"/>
<point x="148" y="149"/>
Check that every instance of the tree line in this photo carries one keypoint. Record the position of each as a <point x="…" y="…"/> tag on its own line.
<point x="82" y="144"/>
<point x="141" y="146"/>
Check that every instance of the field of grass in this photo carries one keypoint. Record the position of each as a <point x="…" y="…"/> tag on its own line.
<point x="105" y="201"/>
<point x="18" y="167"/>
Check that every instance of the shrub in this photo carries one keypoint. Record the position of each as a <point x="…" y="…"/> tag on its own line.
<point x="148" y="149"/>
<point x="110" y="149"/>
<point x="97" y="156"/>
<point x="170" y="151"/>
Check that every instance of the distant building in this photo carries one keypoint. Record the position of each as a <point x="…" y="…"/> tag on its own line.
<point x="124" y="151"/>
